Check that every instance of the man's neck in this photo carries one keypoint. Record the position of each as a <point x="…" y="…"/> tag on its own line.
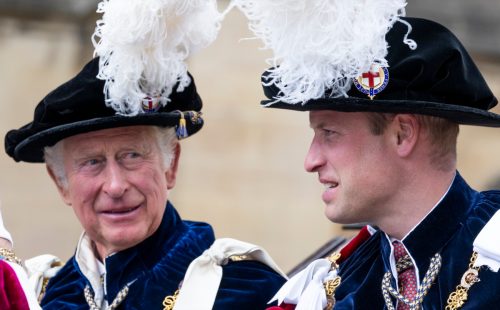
<point x="419" y="199"/>
<point x="97" y="253"/>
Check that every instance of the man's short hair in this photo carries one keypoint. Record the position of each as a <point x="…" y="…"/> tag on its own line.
<point x="165" y="137"/>
<point x="442" y="133"/>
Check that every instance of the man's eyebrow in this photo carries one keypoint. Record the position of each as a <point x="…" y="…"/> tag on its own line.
<point x="82" y="156"/>
<point x="80" y="151"/>
<point x="317" y="125"/>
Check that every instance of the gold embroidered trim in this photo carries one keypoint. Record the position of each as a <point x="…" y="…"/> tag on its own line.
<point x="10" y="256"/>
<point x="237" y="258"/>
<point x="44" y="288"/>
<point x="331" y="285"/>
<point x="169" y="301"/>
<point x="458" y="298"/>
<point x="195" y="116"/>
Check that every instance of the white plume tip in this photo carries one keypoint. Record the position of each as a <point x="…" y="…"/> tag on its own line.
<point x="319" y="46"/>
<point x="143" y="47"/>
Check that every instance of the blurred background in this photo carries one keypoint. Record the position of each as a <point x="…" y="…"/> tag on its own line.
<point x="243" y="172"/>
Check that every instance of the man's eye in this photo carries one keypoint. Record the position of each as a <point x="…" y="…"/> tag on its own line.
<point x="132" y="155"/>
<point x="91" y="162"/>
<point x="328" y="132"/>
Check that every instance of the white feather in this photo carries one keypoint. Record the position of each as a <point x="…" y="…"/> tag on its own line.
<point x="321" y="45"/>
<point x="143" y="46"/>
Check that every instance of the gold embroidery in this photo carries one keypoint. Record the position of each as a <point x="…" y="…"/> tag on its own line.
<point x="10" y="256"/>
<point x="333" y="258"/>
<point x="169" y="301"/>
<point x="458" y="298"/>
<point x="195" y="117"/>
<point x="45" y="281"/>
<point x="237" y="258"/>
<point x="44" y="288"/>
<point x="331" y="285"/>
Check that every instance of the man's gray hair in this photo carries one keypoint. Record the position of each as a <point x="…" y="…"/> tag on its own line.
<point x="54" y="155"/>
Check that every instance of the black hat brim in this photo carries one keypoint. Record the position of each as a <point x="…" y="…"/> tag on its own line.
<point x="31" y="148"/>
<point x="78" y="106"/>
<point x="459" y="114"/>
<point x="438" y="78"/>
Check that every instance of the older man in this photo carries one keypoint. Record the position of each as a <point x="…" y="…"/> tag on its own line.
<point x="116" y="172"/>
<point x="109" y="138"/>
<point x="384" y="148"/>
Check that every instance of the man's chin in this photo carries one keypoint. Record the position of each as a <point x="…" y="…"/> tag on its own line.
<point x="121" y="240"/>
<point x="332" y="217"/>
<point x="332" y="213"/>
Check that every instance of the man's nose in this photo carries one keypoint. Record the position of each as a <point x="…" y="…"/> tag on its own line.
<point x="314" y="158"/>
<point x="116" y="183"/>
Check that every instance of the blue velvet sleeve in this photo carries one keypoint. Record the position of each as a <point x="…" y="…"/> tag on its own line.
<point x="65" y="290"/>
<point x="247" y="285"/>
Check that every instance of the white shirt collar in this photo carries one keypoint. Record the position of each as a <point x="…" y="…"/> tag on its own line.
<point x="92" y="268"/>
<point x="391" y="240"/>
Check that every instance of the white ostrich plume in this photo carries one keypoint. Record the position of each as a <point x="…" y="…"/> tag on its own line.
<point x="143" y="46"/>
<point x="321" y="45"/>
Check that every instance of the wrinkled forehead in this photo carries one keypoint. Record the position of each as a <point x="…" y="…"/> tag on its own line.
<point x="118" y="137"/>
<point x="127" y="132"/>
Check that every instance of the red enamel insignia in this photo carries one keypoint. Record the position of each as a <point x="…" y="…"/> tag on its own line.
<point x="151" y="104"/>
<point x="372" y="82"/>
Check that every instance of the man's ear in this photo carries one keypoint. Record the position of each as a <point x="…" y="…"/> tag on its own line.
<point x="61" y="188"/>
<point x="406" y="129"/>
<point x="171" y="172"/>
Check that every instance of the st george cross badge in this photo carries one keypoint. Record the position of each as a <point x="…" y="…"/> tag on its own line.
<point x="151" y="104"/>
<point x="372" y="82"/>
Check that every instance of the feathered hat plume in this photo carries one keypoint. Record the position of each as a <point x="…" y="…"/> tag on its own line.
<point x="143" y="46"/>
<point x="320" y="45"/>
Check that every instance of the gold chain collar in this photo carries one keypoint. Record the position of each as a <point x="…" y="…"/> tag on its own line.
<point x="471" y="276"/>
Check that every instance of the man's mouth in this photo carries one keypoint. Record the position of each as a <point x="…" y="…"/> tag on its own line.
<point x="121" y="211"/>
<point x="330" y="185"/>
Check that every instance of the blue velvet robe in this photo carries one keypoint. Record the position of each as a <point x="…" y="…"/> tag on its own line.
<point x="449" y="230"/>
<point x="158" y="265"/>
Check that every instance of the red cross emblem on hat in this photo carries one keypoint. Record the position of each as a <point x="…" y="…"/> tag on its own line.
<point x="372" y="82"/>
<point x="150" y="104"/>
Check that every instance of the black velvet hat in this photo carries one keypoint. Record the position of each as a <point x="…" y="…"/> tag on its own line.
<point x="138" y="76"/>
<point x="78" y="106"/>
<point x="438" y="78"/>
